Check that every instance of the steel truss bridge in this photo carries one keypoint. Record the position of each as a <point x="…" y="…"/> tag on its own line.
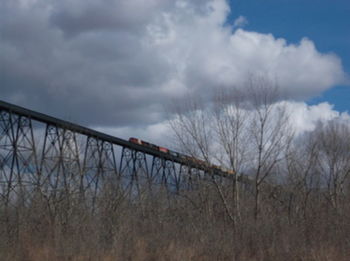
<point x="39" y="152"/>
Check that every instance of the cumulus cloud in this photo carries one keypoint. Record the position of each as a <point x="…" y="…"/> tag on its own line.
<point x="118" y="62"/>
<point x="305" y="117"/>
<point x="240" y="21"/>
<point x="75" y="17"/>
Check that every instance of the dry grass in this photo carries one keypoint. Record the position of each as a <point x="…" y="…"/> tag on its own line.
<point x="173" y="228"/>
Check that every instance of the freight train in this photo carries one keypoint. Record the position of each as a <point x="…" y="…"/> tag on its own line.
<point x="190" y="159"/>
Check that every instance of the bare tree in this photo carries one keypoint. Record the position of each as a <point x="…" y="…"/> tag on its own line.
<point x="269" y="131"/>
<point x="302" y="172"/>
<point x="334" y="158"/>
<point x="201" y="135"/>
<point x="243" y="130"/>
<point x="192" y="128"/>
<point x="231" y="119"/>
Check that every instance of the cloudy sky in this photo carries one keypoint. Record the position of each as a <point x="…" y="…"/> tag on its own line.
<point x="115" y="65"/>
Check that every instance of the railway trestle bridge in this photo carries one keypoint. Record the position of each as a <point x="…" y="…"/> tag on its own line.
<point x="39" y="152"/>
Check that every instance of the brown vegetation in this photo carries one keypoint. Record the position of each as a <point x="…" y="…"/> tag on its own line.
<point x="193" y="226"/>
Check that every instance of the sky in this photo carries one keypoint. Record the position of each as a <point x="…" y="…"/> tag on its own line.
<point x="116" y="65"/>
<point x="325" y="22"/>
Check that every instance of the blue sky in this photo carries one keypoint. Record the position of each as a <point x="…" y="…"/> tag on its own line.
<point x="325" y="22"/>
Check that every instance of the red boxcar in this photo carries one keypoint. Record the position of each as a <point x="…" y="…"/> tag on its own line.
<point x="162" y="149"/>
<point x="134" y="140"/>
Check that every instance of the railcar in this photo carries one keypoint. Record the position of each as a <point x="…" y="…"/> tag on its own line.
<point x="134" y="140"/>
<point x="231" y="172"/>
<point x="149" y="145"/>
<point x="189" y="159"/>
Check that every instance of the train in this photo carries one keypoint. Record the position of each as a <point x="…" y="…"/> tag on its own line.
<point x="181" y="156"/>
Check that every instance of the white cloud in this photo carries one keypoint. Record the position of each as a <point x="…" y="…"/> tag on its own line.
<point x="118" y="62"/>
<point x="305" y="117"/>
<point x="205" y="54"/>
<point x="240" y="21"/>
